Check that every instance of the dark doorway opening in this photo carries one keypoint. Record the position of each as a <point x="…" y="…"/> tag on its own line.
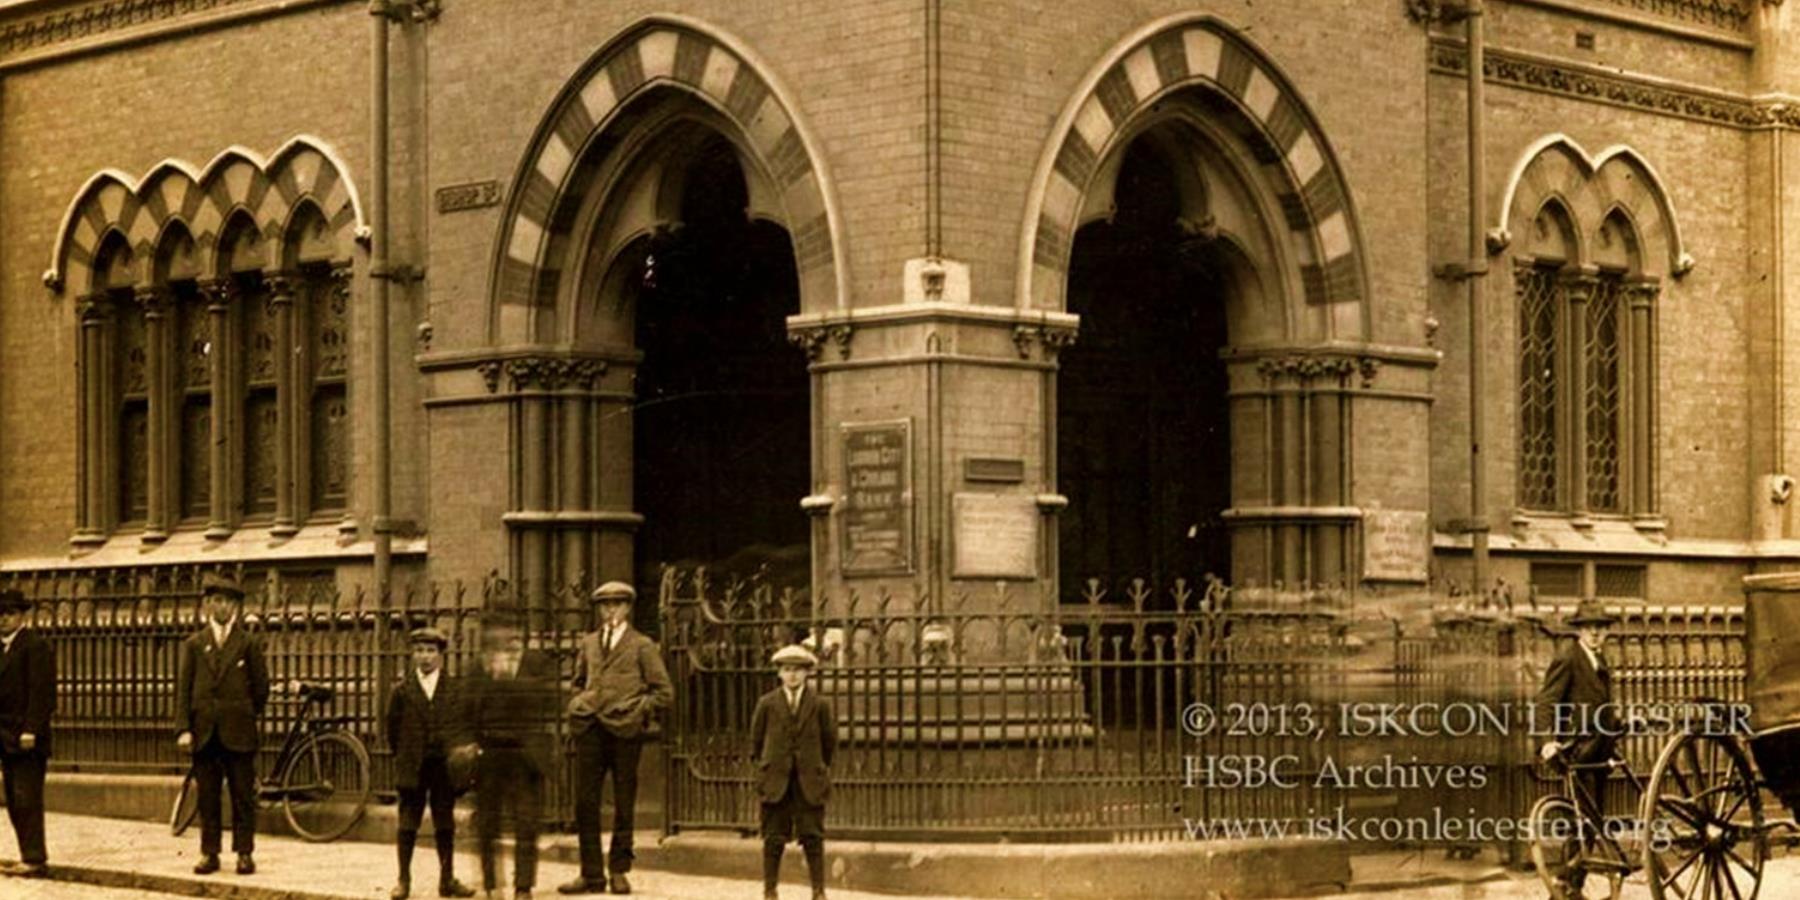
<point x="1143" y="425"/>
<point x="722" y="423"/>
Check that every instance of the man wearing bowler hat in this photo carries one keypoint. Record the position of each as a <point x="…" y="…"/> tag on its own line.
<point x="27" y="699"/>
<point x="620" y="683"/>
<point x="424" y="720"/>
<point x="221" y="688"/>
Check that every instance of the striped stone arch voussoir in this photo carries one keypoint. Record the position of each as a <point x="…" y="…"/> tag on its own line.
<point x="556" y="175"/>
<point x="1276" y="122"/>
<point x="268" y="191"/>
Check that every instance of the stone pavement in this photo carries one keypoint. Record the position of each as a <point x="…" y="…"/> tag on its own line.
<point x="143" y="855"/>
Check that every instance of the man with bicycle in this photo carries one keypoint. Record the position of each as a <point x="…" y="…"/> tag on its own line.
<point x="221" y="687"/>
<point x="424" y="720"/>
<point x="1577" y="698"/>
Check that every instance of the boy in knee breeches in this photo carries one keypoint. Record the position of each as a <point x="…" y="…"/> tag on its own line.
<point x="424" y="720"/>
<point x="795" y="736"/>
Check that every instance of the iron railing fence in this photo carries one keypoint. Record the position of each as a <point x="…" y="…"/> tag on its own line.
<point x="981" y="716"/>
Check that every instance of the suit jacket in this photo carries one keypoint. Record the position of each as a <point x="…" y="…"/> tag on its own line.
<point x="787" y="742"/>
<point x="222" y="690"/>
<point x="27" y="692"/>
<point x="1575" y="697"/>
<point x="419" y="727"/>
<point x="621" y="688"/>
<point x="515" y="713"/>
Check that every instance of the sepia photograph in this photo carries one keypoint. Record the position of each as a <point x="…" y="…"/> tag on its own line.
<point x="942" y="449"/>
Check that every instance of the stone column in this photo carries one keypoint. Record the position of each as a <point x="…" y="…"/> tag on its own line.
<point x="1642" y="299"/>
<point x="158" y="375"/>
<point x="1578" y="286"/>
<point x="287" y="398"/>
<point x="92" y="372"/>
<point x="220" y="294"/>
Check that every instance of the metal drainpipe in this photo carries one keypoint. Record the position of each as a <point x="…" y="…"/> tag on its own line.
<point x="379" y="11"/>
<point x="1477" y="267"/>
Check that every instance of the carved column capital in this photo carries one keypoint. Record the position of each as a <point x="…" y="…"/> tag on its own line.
<point x="490" y="374"/>
<point x="1580" y="283"/>
<point x="1023" y="337"/>
<point x="1056" y="340"/>
<point x="281" y="288"/>
<point x="220" y="293"/>
<point x="810" y="340"/>
<point x="93" y="309"/>
<point x="153" y="299"/>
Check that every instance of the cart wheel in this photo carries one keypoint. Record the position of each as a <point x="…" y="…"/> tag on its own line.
<point x="1704" y="834"/>
<point x="1561" y="856"/>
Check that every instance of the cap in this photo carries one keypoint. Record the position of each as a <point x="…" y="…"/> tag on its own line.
<point x="614" y="592"/>
<point x="215" y="583"/>
<point x="794" y="655"/>
<point x="429" y="635"/>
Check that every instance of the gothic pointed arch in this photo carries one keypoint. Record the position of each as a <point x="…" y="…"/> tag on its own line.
<point x="237" y="179"/>
<point x="566" y="162"/>
<point x="1243" y="92"/>
<point x="1591" y="187"/>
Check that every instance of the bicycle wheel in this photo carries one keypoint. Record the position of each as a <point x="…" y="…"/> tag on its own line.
<point x="326" y="787"/>
<point x="1702" y="811"/>
<point x="187" y="805"/>
<point x="1560" y="851"/>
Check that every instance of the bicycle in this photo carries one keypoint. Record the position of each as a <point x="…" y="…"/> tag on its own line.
<point x="320" y="777"/>
<point x="1571" y="838"/>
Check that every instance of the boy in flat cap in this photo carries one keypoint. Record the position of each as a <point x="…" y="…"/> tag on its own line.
<point x="620" y="683"/>
<point x="424" y="720"/>
<point x="221" y="688"/>
<point x="512" y="717"/>
<point x="27" y="699"/>
<point x="795" y="736"/>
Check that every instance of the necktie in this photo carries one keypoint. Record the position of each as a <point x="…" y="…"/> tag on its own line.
<point x="606" y="642"/>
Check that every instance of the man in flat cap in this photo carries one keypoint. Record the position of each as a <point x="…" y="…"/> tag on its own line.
<point x="424" y="720"/>
<point x="620" y="682"/>
<point x="221" y="687"/>
<point x="795" y="736"/>
<point x="27" y="699"/>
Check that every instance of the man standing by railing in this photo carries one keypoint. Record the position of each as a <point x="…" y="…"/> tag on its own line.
<point x="27" y="699"/>
<point x="221" y="688"/>
<point x="620" y="683"/>
<point x="424" y="719"/>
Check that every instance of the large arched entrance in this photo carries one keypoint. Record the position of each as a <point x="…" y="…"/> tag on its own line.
<point x="1143" y="428"/>
<point x="668" y="216"/>
<point x="721" y="431"/>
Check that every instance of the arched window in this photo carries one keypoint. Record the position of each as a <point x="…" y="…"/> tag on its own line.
<point x="1586" y="367"/>
<point x="213" y="346"/>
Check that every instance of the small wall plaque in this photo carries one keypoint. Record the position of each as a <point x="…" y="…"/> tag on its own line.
<point x="1396" y="545"/>
<point x="996" y="535"/>
<point x="474" y="195"/>
<point x="877" y="516"/>
<point x="998" y="470"/>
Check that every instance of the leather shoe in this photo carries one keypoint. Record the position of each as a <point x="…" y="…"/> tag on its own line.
<point x="208" y="864"/>
<point x="30" y="870"/>
<point x="619" y="884"/>
<point x="582" y="886"/>
<point x="401" y="891"/>
<point x="454" y="888"/>
<point x="246" y="865"/>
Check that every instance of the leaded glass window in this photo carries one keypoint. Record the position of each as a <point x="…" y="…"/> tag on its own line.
<point x="1602" y="404"/>
<point x="132" y="342"/>
<point x="1539" y="309"/>
<point x="327" y="409"/>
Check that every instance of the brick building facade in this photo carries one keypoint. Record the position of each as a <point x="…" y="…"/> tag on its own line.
<point x="914" y="295"/>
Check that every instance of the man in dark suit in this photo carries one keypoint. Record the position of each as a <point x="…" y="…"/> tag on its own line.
<point x="424" y="720"/>
<point x="221" y="688"/>
<point x="512" y="710"/>
<point x="1576" y="699"/>
<point x="795" y="736"/>
<point x="27" y="699"/>
<point x="620" y="683"/>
